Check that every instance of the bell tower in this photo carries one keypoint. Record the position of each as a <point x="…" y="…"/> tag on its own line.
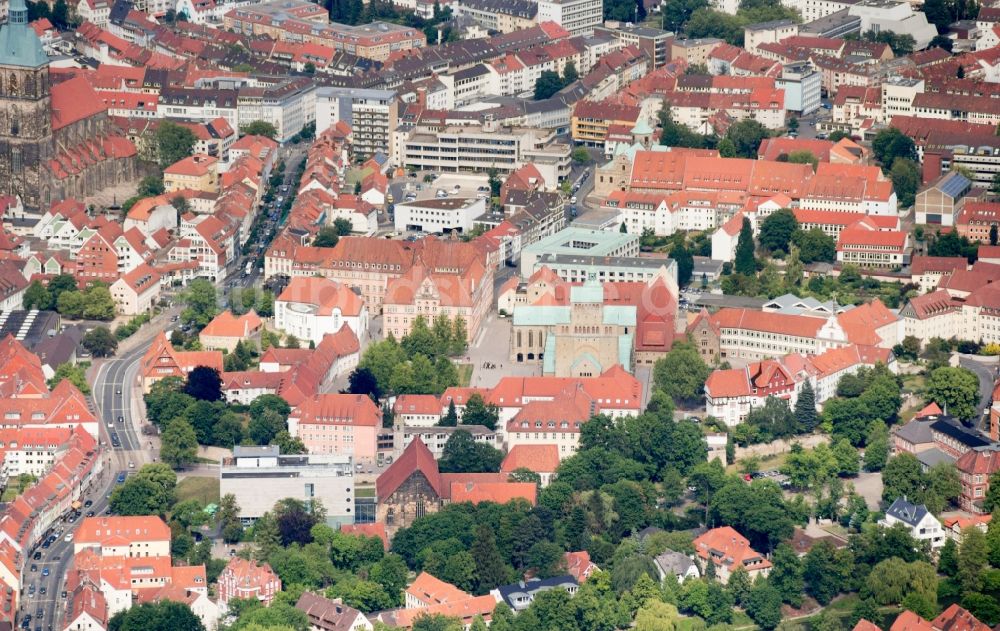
<point x="25" y="110"/>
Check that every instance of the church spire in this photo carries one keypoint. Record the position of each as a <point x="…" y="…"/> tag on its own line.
<point x="17" y="12"/>
<point x="19" y="44"/>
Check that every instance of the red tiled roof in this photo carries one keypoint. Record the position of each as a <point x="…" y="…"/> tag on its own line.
<point x="955" y="618"/>
<point x="537" y="458"/>
<point x="416" y="457"/>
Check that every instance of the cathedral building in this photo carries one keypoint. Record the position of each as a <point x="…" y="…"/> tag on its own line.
<point x="56" y="140"/>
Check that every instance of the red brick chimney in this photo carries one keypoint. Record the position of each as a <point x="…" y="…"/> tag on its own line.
<point x="932" y="166"/>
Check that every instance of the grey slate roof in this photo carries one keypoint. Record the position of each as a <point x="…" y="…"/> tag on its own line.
<point x="675" y="563"/>
<point x="906" y="512"/>
<point x="917" y="432"/>
<point x="532" y="586"/>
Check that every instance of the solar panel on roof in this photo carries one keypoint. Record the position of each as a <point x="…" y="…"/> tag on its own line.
<point x="955" y="185"/>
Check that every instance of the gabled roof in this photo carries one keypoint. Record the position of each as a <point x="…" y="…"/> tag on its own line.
<point x="537" y="458"/>
<point x="415" y="458"/>
<point x="906" y="511"/>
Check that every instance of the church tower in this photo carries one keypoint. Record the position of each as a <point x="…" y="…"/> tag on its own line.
<point x="25" y="110"/>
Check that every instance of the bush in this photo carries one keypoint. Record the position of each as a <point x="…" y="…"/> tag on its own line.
<point x="127" y="330"/>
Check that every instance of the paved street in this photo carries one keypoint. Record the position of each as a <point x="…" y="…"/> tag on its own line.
<point x="116" y="395"/>
<point x="493" y="346"/>
<point x="986" y="369"/>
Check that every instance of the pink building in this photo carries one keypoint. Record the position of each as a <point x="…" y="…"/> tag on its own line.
<point x="246" y="579"/>
<point x="343" y="424"/>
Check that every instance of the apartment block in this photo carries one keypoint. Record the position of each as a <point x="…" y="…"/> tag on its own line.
<point x="371" y="114"/>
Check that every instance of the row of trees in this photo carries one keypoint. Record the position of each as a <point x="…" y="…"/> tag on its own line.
<point x="63" y="295"/>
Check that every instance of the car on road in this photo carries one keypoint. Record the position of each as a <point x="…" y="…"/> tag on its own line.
<point x="121" y="477"/>
<point x="42" y="590"/>
<point x="90" y="513"/>
<point x="68" y="537"/>
<point x="88" y="503"/>
<point x="175" y="318"/>
<point x="121" y="419"/>
<point x="34" y="568"/>
<point x="36" y="556"/>
<point x="572" y="200"/>
<point x="31" y="589"/>
<point x="45" y="572"/>
<point x="131" y="465"/>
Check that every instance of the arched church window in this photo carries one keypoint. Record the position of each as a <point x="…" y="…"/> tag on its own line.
<point x="15" y="125"/>
<point x="13" y="84"/>
<point x="15" y="159"/>
<point x="29" y="86"/>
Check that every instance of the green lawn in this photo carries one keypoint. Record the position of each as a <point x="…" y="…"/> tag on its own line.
<point x="203" y="489"/>
<point x="464" y="374"/>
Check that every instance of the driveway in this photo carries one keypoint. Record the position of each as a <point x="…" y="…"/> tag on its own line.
<point x="869" y="486"/>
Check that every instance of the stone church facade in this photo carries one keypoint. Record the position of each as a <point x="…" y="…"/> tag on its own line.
<point x="56" y="140"/>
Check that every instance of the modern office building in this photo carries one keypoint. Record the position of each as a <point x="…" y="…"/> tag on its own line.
<point x="580" y="242"/>
<point x="260" y="476"/>
<point x="579" y="17"/>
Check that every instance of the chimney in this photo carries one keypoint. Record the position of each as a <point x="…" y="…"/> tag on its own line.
<point x="932" y="166"/>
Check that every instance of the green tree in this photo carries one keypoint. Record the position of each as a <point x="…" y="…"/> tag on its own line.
<point x="773" y="419"/>
<point x="204" y="384"/>
<point x="74" y="373"/>
<point x="973" y="560"/>
<point x="764" y="605"/>
<point x="891" y="580"/>
<point x="100" y="342"/>
<point x="777" y="229"/>
<point x="786" y="575"/>
<point x="745" y="261"/>
<point x="326" y="238"/>
<point x="173" y="142"/>
<point x="746" y="135"/>
<point x="806" y="418"/>
<point x="36" y="296"/>
<point x="948" y="558"/>
<point x="478" y="412"/>
<point x="450" y="419"/>
<point x="876" y="446"/>
<point x="178" y="443"/>
<point x="548" y="83"/>
<point x="201" y="303"/>
<point x="815" y="246"/>
<point x="803" y="157"/>
<point x="228" y="517"/>
<point x="676" y="13"/>
<point x="901" y="476"/>
<point x="656" y="615"/>
<point x="905" y="176"/>
<point x="150" y="186"/>
<point x="955" y="389"/>
<point x="165" y="615"/>
<point x="580" y="155"/>
<point x="462" y="454"/>
<point x="890" y="144"/>
<point x="682" y="373"/>
<point x="343" y="226"/>
<point x="259" y="128"/>
<point x="822" y="572"/>
<point x="491" y="570"/>
<point x="685" y="262"/>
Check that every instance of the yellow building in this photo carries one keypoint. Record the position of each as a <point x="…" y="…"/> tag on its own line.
<point x="199" y="172"/>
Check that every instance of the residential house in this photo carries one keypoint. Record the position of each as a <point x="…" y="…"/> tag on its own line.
<point x="226" y="330"/>
<point x="922" y="525"/>
<point x="247" y="580"/>
<point x="728" y="549"/>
